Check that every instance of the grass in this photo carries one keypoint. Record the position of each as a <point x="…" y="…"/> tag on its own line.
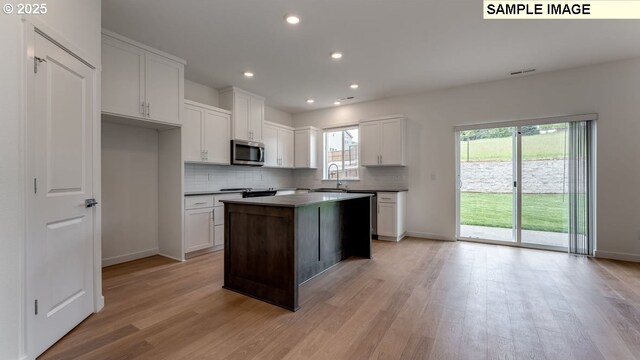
<point x="534" y="147"/>
<point x="544" y="212"/>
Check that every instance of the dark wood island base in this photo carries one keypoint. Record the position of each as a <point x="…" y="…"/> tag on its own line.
<point x="274" y="244"/>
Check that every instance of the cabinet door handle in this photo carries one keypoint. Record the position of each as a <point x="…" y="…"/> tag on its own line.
<point x="148" y="109"/>
<point x="200" y="203"/>
<point x="142" y="108"/>
<point x="380" y="159"/>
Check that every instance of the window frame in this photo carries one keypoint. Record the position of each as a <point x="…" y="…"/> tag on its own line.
<point x="325" y="167"/>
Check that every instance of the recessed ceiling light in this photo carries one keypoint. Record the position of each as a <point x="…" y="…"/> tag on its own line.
<point x="292" y="19"/>
<point x="336" y="103"/>
<point x="248" y="74"/>
<point x="310" y="101"/>
<point x="336" y="55"/>
<point x="354" y="86"/>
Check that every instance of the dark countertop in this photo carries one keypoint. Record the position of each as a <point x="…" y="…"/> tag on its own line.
<point x="217" y="192"/>
<point x="297" y="200"/>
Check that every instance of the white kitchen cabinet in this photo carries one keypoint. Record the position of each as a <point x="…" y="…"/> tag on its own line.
<point x="206" y="134"/>
<point x="305" y="148"/>
<point x="198" y="229"/>
<point x="204" y="221"/>
<point x="391" y="214"/>
<point x="382" y="141"/>
<point x="248" y="113"/>
<point x="141" y="82"/>
<point x="278" y="145"/>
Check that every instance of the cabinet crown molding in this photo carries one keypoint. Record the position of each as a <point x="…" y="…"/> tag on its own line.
<point x="236" y="89"/>
<point x="206" y="106"/>
<point x="117" y="36"/>
<point x="270" y="123"/>
<point x="387" y="117"/>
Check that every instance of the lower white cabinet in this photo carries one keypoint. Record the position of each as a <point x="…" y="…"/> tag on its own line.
<point x="392" y="210"/>
<point x="198" y="229"/>
<point x="204" y="221"/>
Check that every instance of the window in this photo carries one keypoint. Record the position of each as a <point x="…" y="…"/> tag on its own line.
<point x="341" y="153"/>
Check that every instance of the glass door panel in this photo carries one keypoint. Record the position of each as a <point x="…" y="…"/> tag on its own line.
<point x="544" y="173"/>
<point x="487" y="193"/>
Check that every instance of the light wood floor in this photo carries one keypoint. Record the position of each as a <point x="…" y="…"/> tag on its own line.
<point x="418" y="299"/>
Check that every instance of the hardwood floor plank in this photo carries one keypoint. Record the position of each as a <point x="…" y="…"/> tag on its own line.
<point x="417" y="299"/>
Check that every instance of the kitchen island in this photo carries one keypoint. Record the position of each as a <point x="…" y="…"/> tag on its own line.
<point x="273" y="244"/>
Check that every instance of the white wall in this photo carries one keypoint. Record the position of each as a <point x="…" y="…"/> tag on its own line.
<point x="200" y="93"/>
<point x="206" y="95"/>
<point x="277" y="116"/>
<point x="129" y="193"/>
<point x="612" y="90"/>
<point x="84" y="34"/>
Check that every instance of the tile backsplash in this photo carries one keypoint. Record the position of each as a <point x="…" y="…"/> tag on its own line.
<point x="203" y="177"/>
<point x="370" y="178"/>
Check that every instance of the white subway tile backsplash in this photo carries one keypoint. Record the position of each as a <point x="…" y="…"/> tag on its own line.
<point x="204" y="177"/>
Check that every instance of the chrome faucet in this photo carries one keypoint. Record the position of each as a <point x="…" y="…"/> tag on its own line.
<point x="338" y="183"/>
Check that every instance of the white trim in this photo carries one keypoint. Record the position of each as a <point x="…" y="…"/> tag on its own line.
<point x="142" y="46"/>
<point x="129" y="257"/>
<point x="423" y="235"/>
<point x="524" y="122"/>
<point x="387" y="117"/>
<point x="206" y="107"/>
<point x="62" y="41"/>
<point x="617" y="256"/>
<point x="342" y="126"/>
<point x="279" y="125"/>
<point x="236" y="89"/>
<point x="174" y="258"/>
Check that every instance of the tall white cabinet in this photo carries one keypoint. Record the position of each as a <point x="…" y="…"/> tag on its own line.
<point x="140" y="82"/>
<point x="382" y="141"/>
<point x="206" y="133"/>
<point x="305" y="148"/>
<point x="278" y="145"/>
<point x="248" y="113"/>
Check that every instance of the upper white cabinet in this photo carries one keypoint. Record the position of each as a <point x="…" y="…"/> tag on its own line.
<point x="140" y="82"/>
<point x="206" y="134"/>
<point x="382" y="141"/>
<point x="306" y="144"/>
<point x="248" y="113"/>
<point x="278" y="145"/>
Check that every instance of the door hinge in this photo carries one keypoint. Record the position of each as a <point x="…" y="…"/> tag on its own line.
<point x="36" y="306"/>
<point x="36" y="61"/>
<point x="35" y="185"/>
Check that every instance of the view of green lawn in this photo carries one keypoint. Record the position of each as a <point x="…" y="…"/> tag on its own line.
<point x="544" y="212"/>
<point x="534" y="147"/>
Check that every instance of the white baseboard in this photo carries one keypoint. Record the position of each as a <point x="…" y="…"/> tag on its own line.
<point x="172" y="257"/>
<point x="129" y="257"/>
<point x="423" y="235"/>
<point x="617" y="256"/>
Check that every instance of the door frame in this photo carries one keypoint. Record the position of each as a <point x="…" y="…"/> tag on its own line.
<point x="31" y="25"/>
<point x="518" y="124"/>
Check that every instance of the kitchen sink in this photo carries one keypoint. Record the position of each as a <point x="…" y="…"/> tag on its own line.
<point x="335" y="190"/>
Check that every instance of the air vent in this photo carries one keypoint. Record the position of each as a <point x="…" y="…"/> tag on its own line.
<point x="522" y="72"/>
<point x="348" y="98"/>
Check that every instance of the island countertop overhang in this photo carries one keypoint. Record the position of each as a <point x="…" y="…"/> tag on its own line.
<point x="296" y="200"/>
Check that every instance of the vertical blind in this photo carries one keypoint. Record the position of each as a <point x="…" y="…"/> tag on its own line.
<point x="580" y="188"/>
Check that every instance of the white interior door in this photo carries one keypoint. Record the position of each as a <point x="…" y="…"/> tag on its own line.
<point x="59" y="258"/>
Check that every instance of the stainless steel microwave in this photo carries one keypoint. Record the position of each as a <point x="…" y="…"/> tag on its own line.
<point x="248" y="153"/>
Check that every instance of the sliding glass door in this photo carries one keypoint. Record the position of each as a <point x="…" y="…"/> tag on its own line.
<point x="515" y="183"/>
<point x="486" y="191"/>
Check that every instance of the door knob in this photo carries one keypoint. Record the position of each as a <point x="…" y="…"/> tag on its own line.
<point x="90" y="203"/>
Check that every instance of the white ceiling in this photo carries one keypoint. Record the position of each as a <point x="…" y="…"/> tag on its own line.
<point x="391" y="47"/>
